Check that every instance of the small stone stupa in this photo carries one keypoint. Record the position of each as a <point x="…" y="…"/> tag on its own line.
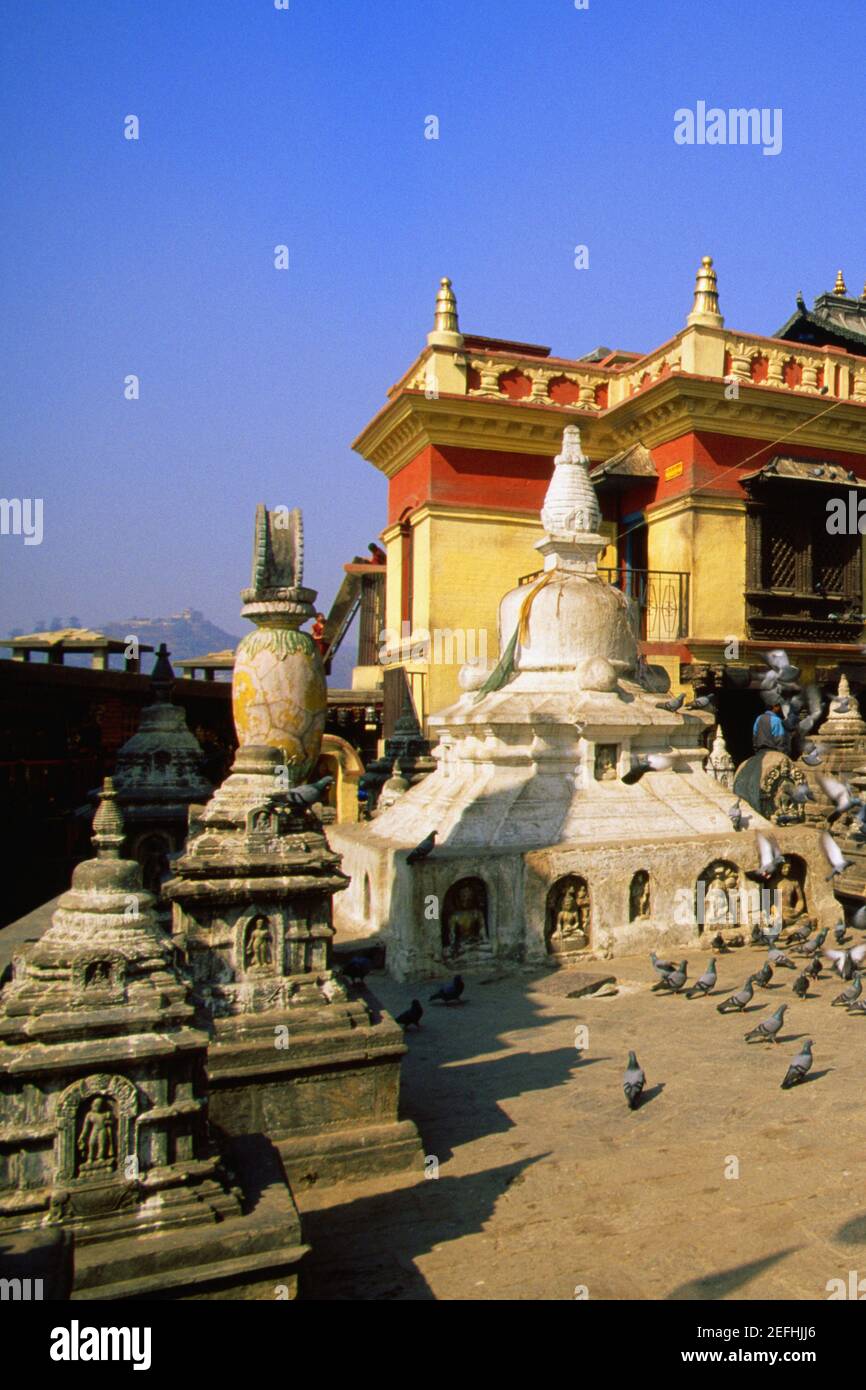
<point x="546" y="848"/>
<point x="293" y="1053"/>
<point x="104" y="1105"/>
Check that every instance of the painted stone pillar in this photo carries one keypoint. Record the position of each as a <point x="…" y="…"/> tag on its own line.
<point x="279" y="696"/>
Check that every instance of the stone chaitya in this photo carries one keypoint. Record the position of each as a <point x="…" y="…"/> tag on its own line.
<point x="294" y="1053"/>
<point x="104" y="1126"/>
<point x="533" y="798"/>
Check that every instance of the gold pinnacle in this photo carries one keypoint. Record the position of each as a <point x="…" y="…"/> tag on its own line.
<point x="445" y="317"/>
<point x="839" y="287"/>
<point x="705" y="309"/>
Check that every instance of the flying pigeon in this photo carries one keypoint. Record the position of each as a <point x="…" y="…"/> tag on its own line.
<point x="777" y="958"/>
<point x="633" y="1082"/>
<point x="763" y="977"/>
<point x="705" y="983"/>
<point x="768" y="1029"/>
<point x="840" y="794"/>
<point x="450" y="994"/>
<point x="662" y="967"/>
<point x="834" y="856"/>
<point x="799" y="1067"/>
<point x="801" y="793"/>
<point x="801" y="985"/>
<point x="411" y="1017"/>
<point x="675" y="980"/>
<point x="849" y="995"/>
<point x="309" y="793"/>
<point x="771" y="858"/>
<point x="812" y="756"/>
<point x="672" y="705"/>
<point x="735" y="1003"/>
<point x="846" y="962"/>
<point x="423" y="850"/>
<point x="646" y="762"/>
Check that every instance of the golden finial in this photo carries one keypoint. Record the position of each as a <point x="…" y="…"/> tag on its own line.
<point x="705" y="309"/>
<point x="446" y="330"/>
<point x="840" y="287"/>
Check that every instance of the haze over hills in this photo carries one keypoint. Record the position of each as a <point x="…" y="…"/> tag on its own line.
<point x="188" y="633"/>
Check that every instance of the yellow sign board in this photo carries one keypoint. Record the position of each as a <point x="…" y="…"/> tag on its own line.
<point x="673" y="471"/>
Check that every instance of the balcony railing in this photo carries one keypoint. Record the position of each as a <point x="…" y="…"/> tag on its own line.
<point x="661" y="597"/>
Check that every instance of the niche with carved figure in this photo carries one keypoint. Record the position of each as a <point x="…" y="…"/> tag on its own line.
<point x="568" y="915"/>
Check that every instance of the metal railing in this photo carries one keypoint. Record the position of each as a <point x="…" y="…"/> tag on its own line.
<point x="661" y="596"/>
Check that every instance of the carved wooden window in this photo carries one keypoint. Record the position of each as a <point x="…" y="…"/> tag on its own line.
<point x="800" y="580"/>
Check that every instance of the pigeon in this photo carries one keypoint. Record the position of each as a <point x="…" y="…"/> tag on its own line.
<point x="764" y="975"/>
<point x="800" y="935"/>
<point x="801" y="985"/>
<point x="847" y="962"/>
<point x="662" y="967"/>
<point x="738" y="820"/>
<point x="675" y="980"/>
<point x="859" y="919"/>
<point x="309" y="792"/>
<point x="840" y="932"/>
<point x="768" y="1029"/>
<point x="840" y="794"/>
<point x="772" y="931"/>
<point x="812" y="947"/>
<point x="858" y="1008"/>
<point x="705" y="983"/>
<point x="841" y="706"/>
<point x="450" y="994"/>
<point x="735" y="1003"/>
<point x="771" y="859"/>
<point x="778" y="958"/>
<point x="633" y="1082"/>
<point x="672" y="705"/>
<point x="701" y="702"/>
<point x="411" y="1017"/>
<point x="849" y="995"/>
<point x="811" y="757"/>
<point x="423" y="850"/>
<point x="814" y="968"/>
<point x="834" y="856"/>
<point x="801" y="793"/>
<point x="646" y="762"/>
<point x="358" y="968"/>
<point x="719" y="944"/>
<point x="799" y="1067"/>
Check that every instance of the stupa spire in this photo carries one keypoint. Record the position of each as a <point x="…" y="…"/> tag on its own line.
<point x="705" y="309"/>
<point x="571" y="516"/>
<point x="446" y="329"/>
<point x="108" y="831"/>
<point x="840" y="286"/>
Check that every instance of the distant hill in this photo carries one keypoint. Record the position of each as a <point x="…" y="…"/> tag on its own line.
<point x="185" y="634"/>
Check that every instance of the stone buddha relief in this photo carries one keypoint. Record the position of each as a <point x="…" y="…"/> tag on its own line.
<point x="639" y="903"/>
<point x="464" y="917"/>
<point x="568" y="915"/>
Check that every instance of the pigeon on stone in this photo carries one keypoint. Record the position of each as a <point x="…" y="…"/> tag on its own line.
<point x="633" y="1082"/>
<point x="738" y="820"/>
<point x="309" y="792"/>
<point x="801" y="985"/>
<point x="812" y="756"/>
<point x="841" y="706"/>
<point x="840" y="932"/>
<point x="705" y="983"/>
<point x="812" y="947"/>
<point x="834" y="856"/>
<point x="673" y="982"/>
<point x="450" y="994"/>
<point x="777" y="958"/>
<point x="672" y="705"/>
<point x="411" y="1017"/>
<point x="799" y="1067"/>
<point x="422" y="851"/>
<point x="646" y="762"/>
<point x="859" y="919"/>
<point x="840" y="794"/>
<point x="719" y="944"/>
<point x="662" y="967"/>
<point x="735" y="1003"/>
<point x="358" y="968"/>
<point x="850" y="995"/>
<point x="763" y="976"/>
<point x="701" y="702"/>
<point x="768" y="1029"/>
<point x="771" y="859"/>
<point x="846" y="962"/>
<point x="799" y="936"/>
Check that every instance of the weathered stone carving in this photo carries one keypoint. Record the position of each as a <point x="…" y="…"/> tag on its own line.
<point x="568" y="915"/>
<point x="639" y="896"/>
<point x="464" y="917"/>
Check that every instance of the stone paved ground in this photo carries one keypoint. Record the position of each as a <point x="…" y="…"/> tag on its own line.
<point x="546" y="1181"/>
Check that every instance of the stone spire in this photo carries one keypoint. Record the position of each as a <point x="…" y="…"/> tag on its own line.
<point x="840" y="287"/>
<point x="446" y="330"/>
<point x="720" y="764"/>
<point x="570" y="515"/>
<point x="705" y="310"/>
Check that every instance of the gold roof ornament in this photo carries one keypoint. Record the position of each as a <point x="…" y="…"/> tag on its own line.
<point x="840" y="286"/>
<point x="446" y="329"/>
<point x="705" y="310"/>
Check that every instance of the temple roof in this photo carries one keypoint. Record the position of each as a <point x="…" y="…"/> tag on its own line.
<point x="835" y="320"/>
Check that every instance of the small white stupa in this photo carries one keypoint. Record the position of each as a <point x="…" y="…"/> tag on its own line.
<point x="543" y="850"/>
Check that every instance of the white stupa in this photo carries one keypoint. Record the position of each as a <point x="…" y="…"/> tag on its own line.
<point x="542" y="849"/>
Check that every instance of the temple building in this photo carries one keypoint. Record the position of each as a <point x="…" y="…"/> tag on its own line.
<point x="714" y="456"/>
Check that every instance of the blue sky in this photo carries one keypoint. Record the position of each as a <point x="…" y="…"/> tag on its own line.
<point x="306" y="127"/>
